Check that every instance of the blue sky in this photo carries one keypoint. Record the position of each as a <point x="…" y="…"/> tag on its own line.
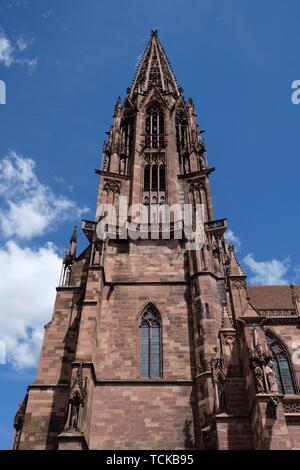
<point x="64" y="63"/>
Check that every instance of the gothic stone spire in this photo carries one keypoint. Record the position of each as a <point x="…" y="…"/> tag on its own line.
<point x="154" y="69"/>
<point x="234" y="267"/>
<point x="70" y="255"/>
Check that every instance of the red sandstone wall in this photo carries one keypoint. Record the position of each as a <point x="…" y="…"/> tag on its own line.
<point x="142" y="417"/>
<point x="148" y="261"/>
<point x="118" y="331"/>
<point x="293" y="424"/>
<point x="60" y="340"/>
<point x="234" y="434"/>
<point x="45" y="417"/>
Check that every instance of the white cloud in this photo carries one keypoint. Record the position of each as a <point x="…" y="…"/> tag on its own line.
<point x="23" y="43"/>
<point x="47" y="14"/>
<point x="6" y="50"/>
<point x="27" y="292"/>
<point x="62" y="181"/>
<point x="31" y="65"/>
<point x="18" y="3"/>
<point x="232" y="238"/>
<point x="30" y="207"/>
<point x="9" y="52"/>
<point x="273" y="272"/>
<point x="28" y="275"/>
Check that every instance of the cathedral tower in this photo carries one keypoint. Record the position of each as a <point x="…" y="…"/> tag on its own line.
<point x="153" y="344"/>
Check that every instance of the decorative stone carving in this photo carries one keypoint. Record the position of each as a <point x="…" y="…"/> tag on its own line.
<point x="157" y="158"/>
<point x="271" y="378"/>
<point x="218" y="380"/>
<point x="259" y="377"/>
<point x="76" y="402"/>
<point x="238" y="284"/>
<point x="19" y="421"/>
<point x="199" y="147"/>
<point x="272" y="406"/>
<point x="105" y="162"/>
<point x="186" y="164"/>
<point x="112" y="186"/>
<point x="197" y="185"/>
<point x="291" y="407"/>
<point x="20" y="415"/>
<point x="260" y="360"/>
<point x="230" y="340"/>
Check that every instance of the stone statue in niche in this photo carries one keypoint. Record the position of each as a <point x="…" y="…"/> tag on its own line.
<point x="259" y="378"/>
<point x="187" y="165"/>
<point x="271" y="378"/>
<point x="272" y="406"/>
<point x="221" y="395"/>
<point x="218" y="380"/>
<point x="216" y="257"/>
<point x="75" y="412"/>
<point x="76" y="402"/>
<point x="260" y="359"/>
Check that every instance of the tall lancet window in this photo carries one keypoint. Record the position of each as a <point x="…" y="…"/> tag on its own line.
<point x="281" y="365"/>
<point x="155" y="126"/>
<point x="150" y="343"/>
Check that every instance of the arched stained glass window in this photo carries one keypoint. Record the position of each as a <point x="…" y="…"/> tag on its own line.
<point x="281" y="365"/>
<point x="150" y="343"/>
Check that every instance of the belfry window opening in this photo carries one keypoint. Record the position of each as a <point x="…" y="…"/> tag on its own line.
<point x="155" y="127"/>
<point x="154" y="173"/>
<point x="154" y="184"/>
<point x="182" y="140"/>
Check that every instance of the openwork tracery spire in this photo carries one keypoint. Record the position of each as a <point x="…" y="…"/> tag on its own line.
<point x="154" y="69"/>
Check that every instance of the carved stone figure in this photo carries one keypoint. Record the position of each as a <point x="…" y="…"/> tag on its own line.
<point x="186" y="165"/>
<point x="19" y="421"/>
<point x="259" y="378"/>
<point x="19" y="418"/>
<point x="75" y="411"/>
<point x="271" y="378"/>
<point x="272" y="406"/>
<point x="76" y="402"/>
<point x="218" y="380"/>
<point x="221" y="395"/>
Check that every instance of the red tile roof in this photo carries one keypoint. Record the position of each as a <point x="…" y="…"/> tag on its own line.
<point x="272" y="297"/>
